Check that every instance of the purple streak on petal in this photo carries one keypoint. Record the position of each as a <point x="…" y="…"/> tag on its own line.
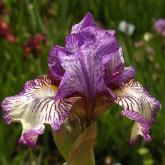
<point x="72" y="80"/>
<point x="88" y="36"/>
<point x="75" y="40"/>
<point x="54" y="61"/>
<point x="107" y="44"/>
<point x="84" y="72"/>
<point x="6" y="115"/>
<point x="157" y="106"/>
<point x="134" y="116"/>
<point x="127" y="74"/>
<point x="144" y="124"/>
<point x="114" y="68"/>
<point x="116" y="75"/>
<point x="31" y="135"/>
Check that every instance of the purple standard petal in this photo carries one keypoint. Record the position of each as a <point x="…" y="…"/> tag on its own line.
<point x="89" y="46"/>
<point x="91" y="60"/>
<point x="35" y="106"/>
<point x="138" y="106"/>
<point x="84" y="73"/>
<point x="87" y="29"/>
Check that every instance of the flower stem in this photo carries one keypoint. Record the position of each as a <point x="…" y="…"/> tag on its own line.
<point x="76" y="148"/>
<point x="82" y="150"/>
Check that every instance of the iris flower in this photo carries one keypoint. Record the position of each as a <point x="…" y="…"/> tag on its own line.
<point x="86" y="77"/>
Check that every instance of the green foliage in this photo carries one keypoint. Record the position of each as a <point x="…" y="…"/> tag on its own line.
<point x="54" y="18"/>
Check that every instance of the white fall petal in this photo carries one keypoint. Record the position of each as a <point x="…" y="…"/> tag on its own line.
<point x="35" y="106"/>
<point x="138" y="106"/>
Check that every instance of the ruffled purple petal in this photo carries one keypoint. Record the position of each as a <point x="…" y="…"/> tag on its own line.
<point x="138" y="106"/>
<point x="35" y="106"/>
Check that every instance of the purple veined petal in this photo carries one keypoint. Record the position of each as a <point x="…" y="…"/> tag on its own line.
<point x="73" y="80"/>
<point x="102" y="42"/>
<point x="75" y="40"/>
<point x="138" y="106"/>
<point x="107" y="43"/>
<point x="86" y="22"/>
<point x="88" y="25"/>
<point x="141" y="126"/>
<point x="105" y="40"/>
<point x="114" y="60"/>
<point x="54" y="63"/>
<point x="35" y="106"/>
<point x="115" y="72"/>
<point x="84" y="72"/>
<point x="114" y="67"/>
<point x="129" y="73"/>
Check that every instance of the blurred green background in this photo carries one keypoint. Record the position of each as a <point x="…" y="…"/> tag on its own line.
<point x="55" y="18"/>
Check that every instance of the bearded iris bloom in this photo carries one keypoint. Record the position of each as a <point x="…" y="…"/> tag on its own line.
<point x="85" y="78"/>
